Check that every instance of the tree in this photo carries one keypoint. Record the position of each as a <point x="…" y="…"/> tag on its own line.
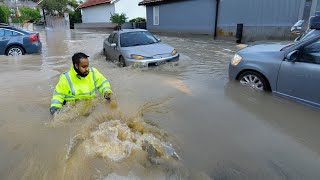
<point x="55" y="7"/>
<point x="75" y="13"/>
<point x="118" y="19"/>
<point x="27" y="15"/>
<point x="4" y="14"/>
<point x="138" y="20"/>
<point x="73" y="3"/>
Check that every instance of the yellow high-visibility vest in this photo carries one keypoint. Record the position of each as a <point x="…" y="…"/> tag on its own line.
<point x="72" y="87"/>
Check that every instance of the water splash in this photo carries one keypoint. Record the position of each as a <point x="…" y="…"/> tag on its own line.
<point x="116" y="141"/>
<point x="128" y="146"/>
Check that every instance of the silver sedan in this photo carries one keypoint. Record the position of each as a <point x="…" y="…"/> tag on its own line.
<point x="288" y="70"/>
<point x="138" y="48"/>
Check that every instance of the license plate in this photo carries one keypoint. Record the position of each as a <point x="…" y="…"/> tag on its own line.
<point x="162" y="62"/>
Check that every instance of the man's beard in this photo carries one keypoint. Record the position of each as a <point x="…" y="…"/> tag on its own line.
<point x="79" y="73"/>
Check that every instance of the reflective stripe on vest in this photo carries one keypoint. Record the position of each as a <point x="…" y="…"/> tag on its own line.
<point x="56" y="102"/>
<point x="70" y="83"/>
<point x="94" y="79"/>
<point x="106" y="81"/>
<point x="63" y="95"/>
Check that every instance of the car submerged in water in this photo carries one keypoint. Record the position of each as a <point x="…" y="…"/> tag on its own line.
<point x="138" y="48"/>
<point x="15" y="41"/>
<point x="289" y="70"/>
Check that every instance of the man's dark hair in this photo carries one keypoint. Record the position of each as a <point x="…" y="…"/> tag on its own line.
<point x="77" y="56"/>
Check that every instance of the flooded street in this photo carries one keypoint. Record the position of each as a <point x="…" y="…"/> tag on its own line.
<point x="170" y="122"/>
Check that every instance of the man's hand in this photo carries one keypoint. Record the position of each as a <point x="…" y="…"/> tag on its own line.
<point x="111" y="100"/>
<point x="53" y="110"/>
<point x="107" y="96"/>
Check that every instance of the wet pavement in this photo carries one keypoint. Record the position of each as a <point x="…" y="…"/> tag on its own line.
<point x="171" y="122"/>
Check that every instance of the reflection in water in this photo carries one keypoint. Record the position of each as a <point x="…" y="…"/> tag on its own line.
<point x="281" y="113"/>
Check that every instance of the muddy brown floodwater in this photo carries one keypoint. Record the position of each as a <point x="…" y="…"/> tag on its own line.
<point x="171" y="122"/>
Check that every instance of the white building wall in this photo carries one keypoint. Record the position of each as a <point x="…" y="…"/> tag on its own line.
<point x="98" y="14"/>
<point x="130" y="8"/>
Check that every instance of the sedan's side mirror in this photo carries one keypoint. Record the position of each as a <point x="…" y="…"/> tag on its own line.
<point x="159" y="40"/>
<point x="293" y="56"/>
<point x="113" y="45"/>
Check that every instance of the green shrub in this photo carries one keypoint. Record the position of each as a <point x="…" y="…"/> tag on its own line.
<point x="74" y="13"/>
<point x="118" y="19"/>
<point x="27" y="15"/>
<point x="75" y="17"/>
<point x="4" y="14"/>
<point x="138" y="19"/>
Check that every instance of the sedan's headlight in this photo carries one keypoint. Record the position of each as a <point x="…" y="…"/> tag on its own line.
<point x="236" y="59"/>
<point x="174" y="52"/>
<point x="138" y="57"/>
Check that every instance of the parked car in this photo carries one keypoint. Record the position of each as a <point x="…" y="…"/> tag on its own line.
<point x="137" y="47"/>
<point x="313" y="29"/>
<point x="14" y="41"/>
<point x="288" y="70"/>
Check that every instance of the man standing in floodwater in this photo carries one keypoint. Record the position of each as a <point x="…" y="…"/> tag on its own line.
<point x="80" y="82"/>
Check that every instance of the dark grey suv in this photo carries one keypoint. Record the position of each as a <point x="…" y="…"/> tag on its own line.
<point x="14" y="41"/>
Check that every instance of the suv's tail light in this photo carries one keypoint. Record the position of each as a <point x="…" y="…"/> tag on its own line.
<point x="34" y="38"/>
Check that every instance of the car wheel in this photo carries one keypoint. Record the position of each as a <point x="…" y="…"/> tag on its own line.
<point x="122" y="62"/>
<point x="254" y="80"/>
<point x="105" y="54"/>
<point x="15" y="51"/>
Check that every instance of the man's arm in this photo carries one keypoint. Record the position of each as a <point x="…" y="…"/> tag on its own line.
<point x="59" y="94"/>
<point x="103" y="85"/>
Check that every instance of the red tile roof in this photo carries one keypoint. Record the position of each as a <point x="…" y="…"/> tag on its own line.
<point x="89" y="3"/>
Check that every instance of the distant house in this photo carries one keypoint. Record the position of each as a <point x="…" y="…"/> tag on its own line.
<point x="99" y="11"/>
<point x="188" y="16"/>
<point x="261" y="19"/>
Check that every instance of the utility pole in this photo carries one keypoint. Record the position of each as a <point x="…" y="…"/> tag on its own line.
<point x="216" y="19"/>
<point x="43" y="12"/>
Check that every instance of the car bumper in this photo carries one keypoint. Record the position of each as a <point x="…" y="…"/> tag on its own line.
<point x="233" y="71"/>
<point x="34" y="47"/>
<point x="147" y="62"/>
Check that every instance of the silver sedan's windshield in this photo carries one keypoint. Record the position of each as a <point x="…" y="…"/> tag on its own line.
<point x="137" y="39"/>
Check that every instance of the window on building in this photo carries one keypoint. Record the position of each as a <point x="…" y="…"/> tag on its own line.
<point x="156" y="15"/>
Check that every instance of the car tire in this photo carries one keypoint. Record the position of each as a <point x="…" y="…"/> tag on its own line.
<point x="105" y="54"/>
<point x="122" y="62"/>
<point x="254" y="80"/>
<point x="15" y="51"/>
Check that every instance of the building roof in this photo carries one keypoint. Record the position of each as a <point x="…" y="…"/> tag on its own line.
<point x="146" y="2"/>
<point x="90" y="3"/>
